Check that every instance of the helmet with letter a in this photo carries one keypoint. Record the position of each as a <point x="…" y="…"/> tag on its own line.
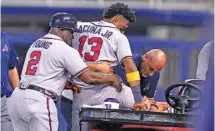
<point x="64" y="20"/>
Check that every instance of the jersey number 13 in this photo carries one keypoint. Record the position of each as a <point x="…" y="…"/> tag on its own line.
<point x="95" y="48"/>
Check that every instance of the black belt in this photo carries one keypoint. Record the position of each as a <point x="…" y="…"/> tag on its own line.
<point x="39" y="89"/>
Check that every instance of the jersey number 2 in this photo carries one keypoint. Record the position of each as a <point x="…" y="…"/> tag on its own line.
<point x="34" y="60"/>
<point x="95" y="49"/>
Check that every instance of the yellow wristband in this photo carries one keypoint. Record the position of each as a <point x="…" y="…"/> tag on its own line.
<point x="133" y="76"/>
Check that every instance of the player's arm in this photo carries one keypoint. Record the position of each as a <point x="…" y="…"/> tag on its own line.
<point x="75" y="65"/>
<point x="104" y="67"/>
<point x="133" y="78"/>
<point x="132" y="74"/>
<point x="131" y="69"/>
<point x="96" y="78"/>
<point x="14" y="77"/>
<point x="13" y="63"/>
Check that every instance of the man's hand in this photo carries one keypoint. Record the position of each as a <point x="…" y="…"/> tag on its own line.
<point x="162" y="106"/>
<point x="159" y="107"/>
<point x="105" y="67"/>
<point x="75" y="88"/>
<point x="117" y="83"/>
<point x="144" y="105"/>
<point x="154" y="108"/>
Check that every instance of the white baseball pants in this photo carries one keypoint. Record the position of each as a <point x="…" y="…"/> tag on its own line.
<point x="32" y="111"/>
<point x="6" y="124"/>
<point x="95" y="97"/>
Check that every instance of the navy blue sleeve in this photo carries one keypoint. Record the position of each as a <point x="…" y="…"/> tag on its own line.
<point x="153" y="86"/>
<point x="137" y="59"/>
<point x="121" y="71"/>
<point x="13" y="59"/>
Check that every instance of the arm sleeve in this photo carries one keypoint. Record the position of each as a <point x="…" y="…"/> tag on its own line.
<point x="121" y="71"/>
<point x="137" y="58"/>
<point x="13" y="59"/>
<point x="203" y="61"/>
<point x="73" y="63"/>
<point x="123" y="49"/>
<point x="153" y="86"/>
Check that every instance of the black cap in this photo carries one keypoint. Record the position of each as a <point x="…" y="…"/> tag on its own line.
<point x="64" y="21"/>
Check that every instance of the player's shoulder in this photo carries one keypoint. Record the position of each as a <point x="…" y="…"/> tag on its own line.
<point x="57" y="43"/>
<point x="63" y="51"/>
<point x="137" y="58"/>
<point x="106" y="25"/>
<point x="121" y="35"/>
<point x="65" y="48"/>
<point x="5" y="35"/>
<point x="5" y="39"/>
<point x="70" y="52"/>
<point x="54" y="39"/>
<point x="119" y="38"/>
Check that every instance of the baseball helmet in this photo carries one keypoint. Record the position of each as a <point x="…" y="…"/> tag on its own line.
<point x="64" y="20"/>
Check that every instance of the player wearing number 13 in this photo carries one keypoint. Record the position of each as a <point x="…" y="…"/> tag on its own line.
<point x="45" y="72"/>
<point x="105" y="41"/>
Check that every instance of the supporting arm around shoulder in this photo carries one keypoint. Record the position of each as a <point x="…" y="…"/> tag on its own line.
<point x="96" y="78"/>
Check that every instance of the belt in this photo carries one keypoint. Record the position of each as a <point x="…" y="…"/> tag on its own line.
<point x="39" y="89"/>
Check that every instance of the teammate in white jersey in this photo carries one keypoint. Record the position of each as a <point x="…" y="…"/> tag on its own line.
<point x="48" y="64"/>
<point x="105" y="41"/>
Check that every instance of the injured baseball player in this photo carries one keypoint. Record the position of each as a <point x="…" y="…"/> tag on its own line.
<point x="105" y="41"/>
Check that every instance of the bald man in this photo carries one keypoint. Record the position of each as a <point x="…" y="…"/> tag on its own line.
<point x="149" y="65"/>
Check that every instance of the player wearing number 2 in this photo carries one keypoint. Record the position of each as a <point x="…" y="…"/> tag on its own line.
<point x="105" y="41"/>
<point x="48" y="64"/>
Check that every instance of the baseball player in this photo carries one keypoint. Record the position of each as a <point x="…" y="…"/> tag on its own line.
<point x="48" y="64"/>
<point x="9" y="78"/>
<point x="104" y="41"/>
<point x="149" y="65"/>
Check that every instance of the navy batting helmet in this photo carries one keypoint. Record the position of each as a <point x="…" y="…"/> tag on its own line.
<point x="64" y="20"/>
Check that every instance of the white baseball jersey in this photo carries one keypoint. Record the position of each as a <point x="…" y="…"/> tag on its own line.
<point x="101" y="41"/>
<point x="49" y="63"/>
